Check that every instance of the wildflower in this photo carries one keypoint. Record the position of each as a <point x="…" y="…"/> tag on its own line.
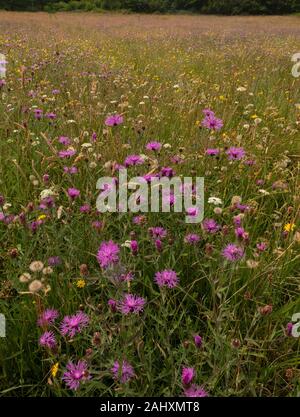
<point x="112" y="304"/>
<point x="187" y="375"/>
<point x="75" y="374"/>
<point x="289" y="329"/>
<point x="134" y="247"/>
<point x="38" y="113"/>
<point x="208" y="113"/>
<point x="167" y="172"/>
<point x="232" y="252"/>
<point x="67" y="153"/>
<point x="153" y="146"/>
<point x="262" y="246"/>
<point x="73" y="193"/>
<point x="108" y="254"/>
<point x="195" y="391"/>
<point x="50" y="115"/>
<point x="132" y="160"/>
<point x="35" y="286"/>
<point x="212" y="122"/>
<point x="289" y="227"/>
<point x="48" y="340"/>
<point x="124" y="374"/>
<point x="64" y="140"/>
<point x="235" y="153"/>
<point x="85" y="208"/>
<point x="74" y="324"/>
<point x="215" y="201"/>
<point x="80" y="283"/>
<point x="36" y="266"/>
<point x="131" y="304"/>
<point x="158" y="244"/>
<point x="192" y="238"/>
<point x="210" y="226"/>
<point x="114" y="120"/>
<point x="212" y="152"/>
<point x="192" y="211"/>
<point x="54" y="261"/>
<point x="47" y="317"/>
<point x="198" y="340"/>
<point x="167" y="278"/>
<point x="157" y="232"/>
<point x="54" y="369"/>
<point x="26" y="277"/>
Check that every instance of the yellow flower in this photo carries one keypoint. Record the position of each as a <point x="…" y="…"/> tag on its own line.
<point x="54" y="369"/>
<point x="42" y="217"/>
<point x="289" y="227"/>
<point x="254" y="116"/>
<point x="80" y="283"/>
<point x="197" y="123"/>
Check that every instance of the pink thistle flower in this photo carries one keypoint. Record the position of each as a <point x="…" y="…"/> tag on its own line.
<point x="47" y="317"/>
<point x="210" y="226"/>
<point x="187" y="375"/>
<point x="192" y="238"/>
<point x="74" y="324"/>
<point x="48" y="340"/>
<point x="122" y="373"/>
<point x="64" y="140"/>
<point x="166" y="278"/>
<point x="73" y="193"/>
<point x="198" y="340"/>
<point x="114" y="120"/>
<point x="195" y="391"/>
<point x="133" y="160"/>
<point x="112" y="304"/>
<point x="66" y="153"/>
<point x="232" y="252"/>
<point x="235" y="153"/>
<point x="108" y="254"/>
<point x="212" y="122"/>
<point x="212" y="152"/>
<point x="153" y="146"/>
<point x="157" y="232"/>
<point x="131" y="304"/>
<point x="75" y="374"/>
<point x="134" y="246"/>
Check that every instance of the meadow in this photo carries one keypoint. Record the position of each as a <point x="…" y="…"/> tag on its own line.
<point x="133" y="304"/>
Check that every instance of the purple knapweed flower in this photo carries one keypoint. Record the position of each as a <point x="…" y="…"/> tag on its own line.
<point x="133" y="160"/>
<point x="187" y="375"/>
<point x="232" y="252"/>
<point x="212" y="151"/>
<point x="74" y="324"/>
<point x="212" y="122"/>
<point x="73" y="193"/>
<point x="75" y="374"/>
<point x="47" y="317"/>
<point x="198" y="340"/>
<point x="235" y="153"/>
<point x="122" y="373"/>
<point x="48" y="340"/>
<point x="108" y="254"/>
<point x="195" y="391"/>
<point x="166" y="278"/>
<point x="210" y="226"/>
<point x="192" y="238"/>
<point x="114" y="120"/>
<point x="153" y="146"/>
<point x="131" y="304"/>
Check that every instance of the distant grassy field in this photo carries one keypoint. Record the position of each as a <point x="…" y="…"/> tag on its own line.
<point x="66" y="74"/>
